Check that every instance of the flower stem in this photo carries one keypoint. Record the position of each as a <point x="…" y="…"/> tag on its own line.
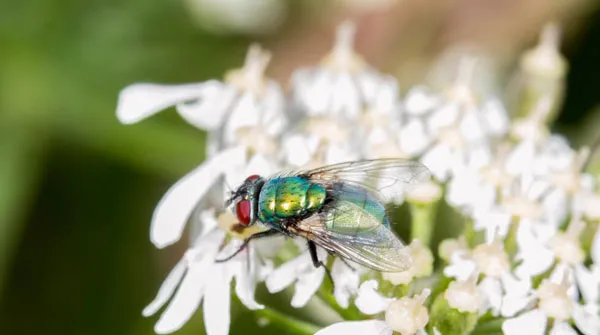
<point x="286" y="322"/>
<point x="423" y="220"/>
<point x="510" y="243"/>
<point x="491" y="327"/>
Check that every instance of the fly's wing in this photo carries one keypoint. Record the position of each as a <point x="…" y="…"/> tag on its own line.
<point x="355" y="226"/>
<point x="387" y="177"/>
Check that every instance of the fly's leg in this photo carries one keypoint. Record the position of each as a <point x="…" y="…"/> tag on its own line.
<point x="312" y="249"/>
<point x="262" y="234"/>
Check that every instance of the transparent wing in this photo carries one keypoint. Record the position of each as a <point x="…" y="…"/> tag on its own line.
<point x="355" y="226"/>
<point x="378" y="249"/>
<point x="387" y="176"/>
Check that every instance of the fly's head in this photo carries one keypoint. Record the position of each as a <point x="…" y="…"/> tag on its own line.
<point x="245" y="200"/>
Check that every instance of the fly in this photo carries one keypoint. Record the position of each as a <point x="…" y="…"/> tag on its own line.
<point x="339" y="207"/>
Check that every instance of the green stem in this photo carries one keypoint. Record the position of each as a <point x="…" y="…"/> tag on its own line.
<point x="470" y="234"/>
<point x="422" y="223"/>
<point x="510" y="243"/>
<point x="491" y="327"/>
<point x="287" y="323"/>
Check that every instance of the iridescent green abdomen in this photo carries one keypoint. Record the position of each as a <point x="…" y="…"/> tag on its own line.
<point x="355" y="211"/>
<point x="287" y="197"/>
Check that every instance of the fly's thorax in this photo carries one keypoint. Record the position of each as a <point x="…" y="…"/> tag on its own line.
<point x="289" y="197"/>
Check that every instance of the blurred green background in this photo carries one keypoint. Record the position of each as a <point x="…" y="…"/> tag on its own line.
<point x="77" y="189"/>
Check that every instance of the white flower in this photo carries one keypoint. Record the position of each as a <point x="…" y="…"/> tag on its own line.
<point x="245" y="99"/>
<point x="421" y="265"/>
<point x="460" y="124"/>
<point x="405" y="315"/>
<point x="450" y="246"/>
<point x="464" y="295"/>
<point x="553" y="301"/>
<point x="341" y="85"/>
<point x="499" y="289"/>
<point x="188" y="283"/>
<point x="176" y="206"/>
<point x="301" y="272"/>
<point x="248" y="267"/>
<point x="563" y="250"/>
<point x="346" y="281"/>
<point x="235" y="16"/>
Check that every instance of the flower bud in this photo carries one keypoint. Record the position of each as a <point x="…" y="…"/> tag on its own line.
<point x="566" y="246"/>
<point x="554" y="300"/>
<point x="407" y="315"/>
<point x="449" y="246"/>
<point x="464" y="295"/>
<point x="491" y="259"/>
<point x="421" y="266"/>
<point x="444" y="319"/>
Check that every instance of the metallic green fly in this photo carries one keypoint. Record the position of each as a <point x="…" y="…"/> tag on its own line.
<point x="340" y="207"/>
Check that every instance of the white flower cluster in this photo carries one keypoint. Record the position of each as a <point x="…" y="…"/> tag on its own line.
<point x="524" y="189"/>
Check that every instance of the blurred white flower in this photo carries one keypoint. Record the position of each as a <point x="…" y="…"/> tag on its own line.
<point x="212" y="242"/>
<point x="346" y="281"/>
<point x="301" y="272"/>
<point x="406" y="315"/>
<point x="341" y="86"/>
<point x="464" y="295"/>
<point x="245" y="99"/>
<point x="188" y="284"/>
<point x="461" y="126"/>
<point x="499" y="289"/>
<point x="239" y="16"/>
<point x="421" y="266"/>
<point x="554" y="300"/>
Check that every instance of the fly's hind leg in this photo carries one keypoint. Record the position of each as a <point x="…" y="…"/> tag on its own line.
<point x="262" y="234"/>
<point x="312" y="249"/>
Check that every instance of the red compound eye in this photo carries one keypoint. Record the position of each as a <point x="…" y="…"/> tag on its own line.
<point x="242" y="210"/>
<point x="253" y="177"/>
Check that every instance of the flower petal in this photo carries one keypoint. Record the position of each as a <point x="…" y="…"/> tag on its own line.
<point x="245" y="113"/>
<point x="369" y="301"/>
<point x="519" y="160"/>
<point x="167" y="288"/>
<point x="174" y="209"/>
<point x="562" y="328"/>
<point x="530" y="323"/>
<point x="246" y="275"/>
<point x="536" y="257"/>
<point x="138" y="101"/>
<point x="187" y="298"/>
<point x="346" y="282"/>
<point x="213" y="105"/>
<point x="492" y="291"/>
<point x="370" y="327"/>
<point x="495" y="116"/>
<point x="588" y="282"/>
<point x="217" y="316"/>
<point x="307" y="286"/>
<point x="461" y="267"/>
<point x="588" y="323"/>
<point x="419" y="101"/>
<point x="413" y="137"/>
<point x="285" y="275"/>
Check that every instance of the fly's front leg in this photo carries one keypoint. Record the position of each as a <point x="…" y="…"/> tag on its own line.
<point x="262" y="234"/>
<point x="312" y="249"/>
